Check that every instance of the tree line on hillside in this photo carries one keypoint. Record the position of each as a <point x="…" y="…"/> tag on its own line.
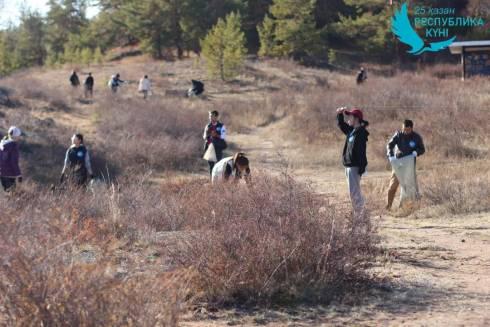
<point x="304" y="30"/>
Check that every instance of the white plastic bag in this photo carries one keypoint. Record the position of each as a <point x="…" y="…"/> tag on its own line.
<point x="210" y="154"/>
<point x="404" y="169"/>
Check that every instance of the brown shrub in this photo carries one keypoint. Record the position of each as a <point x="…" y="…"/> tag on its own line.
<point x="44" y="281"/>
<point x="274" y="240"/>
<point x="458" y="190"/>
<point x="137" y="134"/>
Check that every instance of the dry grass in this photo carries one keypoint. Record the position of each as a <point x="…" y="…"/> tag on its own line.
<point x="46" y="278"/>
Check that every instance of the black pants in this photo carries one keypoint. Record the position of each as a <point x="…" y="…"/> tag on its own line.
<point x="8" y="183"/>
<point x="219" y="156"/>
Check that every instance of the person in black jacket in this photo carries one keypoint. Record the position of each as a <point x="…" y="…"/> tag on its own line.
<point x="354" y="153"/>
<point x="74" y="80"/>
<point x="406" y="143"/>
<point x="361" y="76"/>
<point x="89" y="86"/>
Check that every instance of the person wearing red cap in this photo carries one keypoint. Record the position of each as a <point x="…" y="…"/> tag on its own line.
<point x="354" y="156"/>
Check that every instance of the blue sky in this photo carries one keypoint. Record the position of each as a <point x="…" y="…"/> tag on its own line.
<point x="10" y="12"/>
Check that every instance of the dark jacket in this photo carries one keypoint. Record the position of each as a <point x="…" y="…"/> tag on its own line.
<point x="89" y="82"/>
<point x="74" y="80"/>
<point x="218" y="142"/>
<point x="406" y="144"/>
<point x="9" y="159"/>
<point x="354" y="153"/>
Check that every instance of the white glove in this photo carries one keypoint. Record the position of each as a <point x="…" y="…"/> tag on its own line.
<point x="414" y="154"/>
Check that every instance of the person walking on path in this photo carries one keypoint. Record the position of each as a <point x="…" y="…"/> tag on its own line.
<point x="404" y="143"/>
<point x="9" y="160"/>
<point x="215" y="136"/>
<point x="354" y="156"/>
<point x="89" y="86"/>
<point x="77" y="167"/>
<point x="231" y="168"/>
<point x="74" y="80"/>
<point x="144" y="86"/>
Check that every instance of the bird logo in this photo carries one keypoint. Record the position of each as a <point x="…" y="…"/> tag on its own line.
<point x="402" y="28"/>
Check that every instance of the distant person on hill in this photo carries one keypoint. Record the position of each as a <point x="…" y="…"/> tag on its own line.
<point x="9" y="159"/>
<point x="196" y="89"/>
<point x="354" y="154"/>
<point x="403" y="144"/>
<point x="231" y="168"/>
<point x="144" y="86"/>
<point x="74" y="80"/>
<point x="77" y="167"/>
<point x="89" y="86"/>
<point x="115" y="82"/>
<point x="361" y="76"/>
<point x="214" y="139"/>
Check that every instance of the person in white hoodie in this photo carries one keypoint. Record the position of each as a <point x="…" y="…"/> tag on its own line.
<point x="144" y="86"/>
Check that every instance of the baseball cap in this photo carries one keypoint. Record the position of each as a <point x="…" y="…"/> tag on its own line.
<point x="355" y="112"/>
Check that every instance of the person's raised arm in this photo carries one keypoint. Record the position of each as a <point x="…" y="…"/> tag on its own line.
<point x="344" y="127"/>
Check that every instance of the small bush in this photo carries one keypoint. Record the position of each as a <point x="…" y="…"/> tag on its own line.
<point x="459" y="190"/>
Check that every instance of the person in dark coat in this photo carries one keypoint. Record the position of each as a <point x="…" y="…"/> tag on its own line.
<point x="89" y="86"/>
<point x="354" y="156"/>
<point x="361" y="76"/>
<point x="115" y="82"/>
<point x="407" y="143"/>
<point x="77" y="167"/>
<point x="74" y="81"/>
<point x="196" y="89"/>
<point x="9" y="160"/>
<point x="215" y="133"/>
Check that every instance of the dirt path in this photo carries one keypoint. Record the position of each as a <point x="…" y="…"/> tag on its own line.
<point x="437" y="270"/>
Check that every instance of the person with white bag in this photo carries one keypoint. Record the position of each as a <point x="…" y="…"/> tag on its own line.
<point x="214" y="140"/>
<point x="144" y="86"/>
<point x="403" y="149"/>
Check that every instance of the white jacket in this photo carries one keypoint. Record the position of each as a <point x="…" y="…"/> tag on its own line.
<point x="219" y="169"/>
<point x="145" y="85"/>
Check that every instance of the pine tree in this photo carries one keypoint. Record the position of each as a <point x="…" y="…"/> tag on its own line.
<point x="267" y="37"/>
<point x="293" y="29"/>
<point x="86" y="56"/>
<point x="64" y="18"/>
<point x="224" y="47"/>
<point x="98" y="57"/>
<point x="30" y="49"/>
<point x="367" y="28"/>
<point x="6" y="64"/>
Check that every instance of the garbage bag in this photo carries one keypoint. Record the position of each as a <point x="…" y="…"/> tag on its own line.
<point x="404" y="169"/>
<point x="210" y="154"/>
